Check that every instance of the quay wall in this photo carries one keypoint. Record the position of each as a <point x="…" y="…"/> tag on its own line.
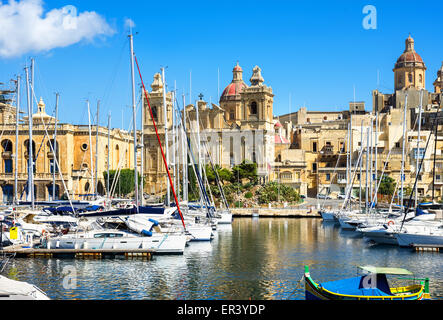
<point x="276" y="212"/>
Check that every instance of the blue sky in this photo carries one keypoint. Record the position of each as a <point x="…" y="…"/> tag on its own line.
<point x="314" y="51"/>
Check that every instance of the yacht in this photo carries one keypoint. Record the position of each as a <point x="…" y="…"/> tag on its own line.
<point x="17" y="290"/>
<point x="118" y="239"/>
<point x="429" y="235"/>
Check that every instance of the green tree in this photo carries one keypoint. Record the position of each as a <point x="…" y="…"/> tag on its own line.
<point x="246" y="170"/>
<point x="125" y="181"/>
<point x="387" y="186"/>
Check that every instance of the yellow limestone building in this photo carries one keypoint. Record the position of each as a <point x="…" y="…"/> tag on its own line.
<point x="73" y="155"/>
<point x="322" y="140"/>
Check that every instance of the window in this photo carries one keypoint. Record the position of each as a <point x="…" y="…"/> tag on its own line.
<point x="420" y="78"/>
<point x="419" y="177"/>
<point x="314" y="167"/>
<point x="286" y="176"/>
<point x="254" y="108"/>
<point x="397" y="144"/>
<point x="84" y="146"/>
<point x="437" y="177"/>
<point x="53" y="166"/>
<point x="232" y="115"/>
<point x="328" y="177"/>
<point x="7" y="146"/>
<point x="410" y="76"/>
<point x="314" y="147"/>
<point x="8" y="165"/>
<point x="420" y="154"/>
<point x="155" y="113"/>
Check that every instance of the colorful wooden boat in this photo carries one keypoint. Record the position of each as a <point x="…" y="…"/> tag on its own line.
<point x="371" y="286"/>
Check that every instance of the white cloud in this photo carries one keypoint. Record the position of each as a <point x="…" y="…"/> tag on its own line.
<point x="24" y="27"/>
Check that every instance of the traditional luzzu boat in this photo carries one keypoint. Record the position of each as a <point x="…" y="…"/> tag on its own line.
<point x="371" y="286"/>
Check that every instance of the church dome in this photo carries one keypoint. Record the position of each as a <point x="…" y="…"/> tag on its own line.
<point x="233" y="90"/>
<point x="409" y="56"/>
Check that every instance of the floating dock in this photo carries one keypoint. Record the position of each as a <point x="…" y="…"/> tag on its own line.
<point x="428" y="247"/>
<point x="78" y="253"/>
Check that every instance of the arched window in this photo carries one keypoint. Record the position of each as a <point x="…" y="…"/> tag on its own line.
<point x="7" y="145"/>
<point x="243" y="148"/>
<point x="231" y="151"/>
<point x="117" y="154"/>
<point x="26" y="144"/>
<point x="87" y="186"/>
<point x="253" y="108"/>
<point x="155" y="113"/>
<point x="55" y="147"/>
<point x="7" y="154"/>
<point x="410" y="77"/>
<point x="420" y="78"/>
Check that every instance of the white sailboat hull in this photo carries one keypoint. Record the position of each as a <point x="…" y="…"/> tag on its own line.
<point x="409" y="239"/>
<point x="161" y="243"/>
<point x="226" y="218"/>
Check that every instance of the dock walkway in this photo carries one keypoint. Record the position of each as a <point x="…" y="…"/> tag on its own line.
<point x="77" y="253"/>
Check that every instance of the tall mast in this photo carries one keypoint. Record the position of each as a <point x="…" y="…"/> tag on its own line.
<point x="17" y="115"/>
<point x="96" y="146"/>
<point x="142" y="142"/>
<point x="30" y="151"/>
<point x="109" y="151"/>
<point x="418" y="143"/>
<point x="367" y="171"/>
<point x="55" y="146"/>
<point x="402" y="176"/>
<point x="185" y="154"/>
<point x="348" y="163"/>
<point x="90" y="150"/>
<point x="165" y="117"/>
<point x="371" y="179"/>
<point x="32" y="82"/>
<point x="134" y="119"/>
<point x="174" y="160"/>
<point x="376" y="151"/>
<point x="435" y="155"/>
<point x="361" y="163"/>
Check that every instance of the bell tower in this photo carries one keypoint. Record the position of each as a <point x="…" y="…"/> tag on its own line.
<point x="257" y="100"/>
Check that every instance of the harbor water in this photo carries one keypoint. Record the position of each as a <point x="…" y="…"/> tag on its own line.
<point x="254" y="258"/>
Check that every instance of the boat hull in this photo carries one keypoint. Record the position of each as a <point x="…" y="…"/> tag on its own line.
<point x="327" y="216"/>
<point x="409" y="239"/>
<point x="174" y="244"/>
<point x="313" y="291"/>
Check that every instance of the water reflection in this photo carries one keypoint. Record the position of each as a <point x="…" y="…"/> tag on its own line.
<point x="252" y="259"/>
